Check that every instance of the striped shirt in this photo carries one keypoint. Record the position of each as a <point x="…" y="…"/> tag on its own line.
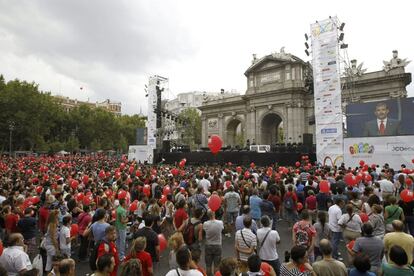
<point x="249" y="241"/>
<point x="285" y="271"/>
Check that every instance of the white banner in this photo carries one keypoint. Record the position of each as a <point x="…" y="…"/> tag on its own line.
<point x="327" y="92"/>
<point x="141" y="153"/>
<point x="152" y="118"/>
<point x="394" y="150"/>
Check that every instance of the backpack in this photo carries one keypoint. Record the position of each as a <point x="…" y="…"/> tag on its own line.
<point x="94" y="255"/>
<point x="189" y="233"/>
<point x="302" y="236"/>
<point x="288" y="202"/>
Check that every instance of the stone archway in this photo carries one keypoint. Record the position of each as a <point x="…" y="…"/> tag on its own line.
<point x="270" y="132"/>
<point x="234" y="132"/>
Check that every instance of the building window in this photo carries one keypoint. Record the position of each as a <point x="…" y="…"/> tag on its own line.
<point x="287" y="70"/>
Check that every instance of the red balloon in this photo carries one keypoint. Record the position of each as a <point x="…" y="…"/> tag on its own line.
<point x="153" y="172"/>
<point x="350" y="179"/>
<point x="117" y="175"/>
<point x="46" y="177"/>
<point x="166" y="190"/>
<point x="122" y="194"/>
<point x="108" y="174"/>
<point x="133" y="207"/>
<point x="138" y="173"/>
<point x="162" y="241"/>
<point x="87" y="200"/>
<point x="131" y="170"/>
<point x="406" y="171"/>
<point x="365" y="168"/>
<point x="362" y="163"/>
<point x="147" y="190"/>
<point x="252" y="165"/>
<point x="181" y="164"/>
<point x="214" y="202"/>
<point x="39" y="189"/>
<point x="297" y="164"/>
<point x="85" y="179"/>
<point x="74" y="184"/>
<point x="412" y="161"/>
<point x="122" y="166"/>
<point x="239" y="169"/>
<point x="35" y="200"/>
<point x="359" y="177"/>
<point x="407" y="195"/>
<point x="108" y="193"/>
<point x="269" y="172"/>
<point x="102" y="174"/>
<point x="299" y="206"/>
<point x="1" y="248"/>
<point x="408" y="181"/>
<point x="163" y="199"/>
<point x="364" y="217"/>
<point x="215" y="143"/>
<point x="246" y="174"/>
<point x="74" y="229"/>
<point x="79" y="197"/>
<point x="324" y="186"/>
<point x="368" y="178"/>
<point x="175" y="171"/>
<point x="373" y="166"/>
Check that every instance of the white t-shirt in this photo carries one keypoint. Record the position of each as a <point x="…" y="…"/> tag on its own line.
<point x="191" y="272"/>
<point x="268" y="250"/>
<point x="205" y="183"/>
<point x="2" y="198"/>
<point x="63" y="235"/>
<point x="353" y="225"/>
<point x="335" y="214"/>
<point x="14" y="260"/>
<point x="386" y="186"/>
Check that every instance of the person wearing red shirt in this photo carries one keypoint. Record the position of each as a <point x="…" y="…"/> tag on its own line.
<point x="310" y="204"/>
<point x="137" y="252"/>
<point x="274" y="197"/>
<point x="180" y="217"/>
<point x="290" y="202"/>
<point x="108" y="247"/>
<point x="306" y="240"/>
<point x="10" y="221"/>
<point x="43" y="216"/>
<point x="83" y="221"/>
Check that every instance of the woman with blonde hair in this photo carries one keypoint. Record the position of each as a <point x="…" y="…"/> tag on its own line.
<point x="138" y="252"/>
<point x="51" y="238"/>
<point x="175" y="242"/>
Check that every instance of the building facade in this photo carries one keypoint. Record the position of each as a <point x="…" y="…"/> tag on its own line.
<point x="279" y="96"/>
<point x="69" y="104"/>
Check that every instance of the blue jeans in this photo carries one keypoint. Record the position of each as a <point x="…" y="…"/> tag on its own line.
<point x="120" y="242"/>
<point x="336" y="237"/>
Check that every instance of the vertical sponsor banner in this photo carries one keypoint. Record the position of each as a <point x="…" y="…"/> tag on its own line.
<point x="327" y="92"/>
<point x="152" y="118"/>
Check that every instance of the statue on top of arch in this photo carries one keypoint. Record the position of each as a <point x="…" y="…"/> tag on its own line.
<point x="283" y="55"/>
<point x="353" y="70"/>
<point x="395" y="62"/>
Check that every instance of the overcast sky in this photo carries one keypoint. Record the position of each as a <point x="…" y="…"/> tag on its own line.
<point x="110" y="48"/>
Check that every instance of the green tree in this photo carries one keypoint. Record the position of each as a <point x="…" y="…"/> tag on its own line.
<point x="72" y="144"/>
<point x="191" y="129"/>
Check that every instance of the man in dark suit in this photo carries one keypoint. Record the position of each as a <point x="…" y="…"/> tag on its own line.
<point x="382" y="126"/>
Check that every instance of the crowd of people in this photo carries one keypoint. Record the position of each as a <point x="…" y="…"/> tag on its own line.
<point x="118" y="216"/>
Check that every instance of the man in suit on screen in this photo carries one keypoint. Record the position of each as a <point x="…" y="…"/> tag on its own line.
<point x="382" y="126"/>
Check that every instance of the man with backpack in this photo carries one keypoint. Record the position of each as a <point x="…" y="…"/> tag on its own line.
<point x="106" y="246"/>
<point x="193" y="233"/>
<point x="267" y="240"/>
<point x="289" y="203"/>
<point x="303" y="234"/>
<point x="213" y="245"/>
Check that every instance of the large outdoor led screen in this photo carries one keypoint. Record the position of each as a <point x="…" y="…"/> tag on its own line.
<point x="382" y="118"/>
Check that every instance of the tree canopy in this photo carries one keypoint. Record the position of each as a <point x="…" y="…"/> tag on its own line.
<point x="39" y="123"/>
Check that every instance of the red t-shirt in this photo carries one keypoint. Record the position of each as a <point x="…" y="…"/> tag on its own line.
<point x="145" y="259"/>
<point x="294" y="197"/>
<point x="311" y="202"/>
<point x="110" y="248"/>
<point x="275" y="199"/>
<point x="306" y="226"/>
<point x="266" y="268"/>
<point x="10" y="223"/>
<point x="43" y="215"/>
<point x="179" y="217"/>
<point x="83" y="220"/>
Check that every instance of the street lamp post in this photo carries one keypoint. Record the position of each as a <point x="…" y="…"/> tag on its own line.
<point x="11" y="128"/>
